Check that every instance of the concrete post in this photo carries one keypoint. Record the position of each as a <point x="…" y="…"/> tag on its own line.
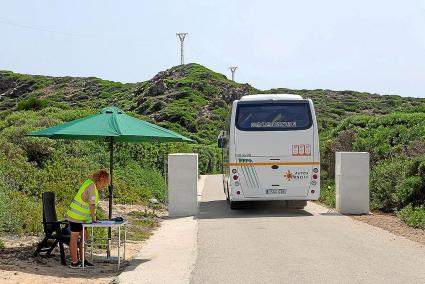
<point x="352" y="182"/>
<point x="182" y="184"/>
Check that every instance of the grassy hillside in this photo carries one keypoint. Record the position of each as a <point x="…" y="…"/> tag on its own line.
<point x="190" y="99"/>
<point x="195" y="102"/>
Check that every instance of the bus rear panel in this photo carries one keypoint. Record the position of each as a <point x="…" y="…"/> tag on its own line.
<point x="273" y="149"/>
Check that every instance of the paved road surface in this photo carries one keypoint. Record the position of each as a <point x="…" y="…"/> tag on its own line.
<point x="265" y="243"/>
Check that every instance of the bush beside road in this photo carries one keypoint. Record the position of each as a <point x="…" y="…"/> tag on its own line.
<point x="396" y="143"/>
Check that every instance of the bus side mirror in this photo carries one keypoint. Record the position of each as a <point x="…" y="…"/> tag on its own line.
<point x="221" y="142"/>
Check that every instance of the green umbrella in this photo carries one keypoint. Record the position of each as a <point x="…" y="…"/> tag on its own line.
<point x="111" y="125"/>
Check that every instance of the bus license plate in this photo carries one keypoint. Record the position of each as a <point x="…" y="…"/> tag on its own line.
<point x="275" y="191"/>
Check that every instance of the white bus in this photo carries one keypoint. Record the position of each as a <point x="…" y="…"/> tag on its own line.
<point x="270" y="151"/>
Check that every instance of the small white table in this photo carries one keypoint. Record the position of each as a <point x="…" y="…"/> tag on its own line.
<point x="106" y="224"/>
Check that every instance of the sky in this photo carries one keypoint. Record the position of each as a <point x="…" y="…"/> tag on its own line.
<point x="373" y="46"/>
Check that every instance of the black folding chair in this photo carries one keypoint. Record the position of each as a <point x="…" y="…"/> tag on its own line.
<point x="56" y="232"/>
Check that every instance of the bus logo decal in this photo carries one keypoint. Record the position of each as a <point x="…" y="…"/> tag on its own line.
<point x="288" y="175"/>
<point x="295" y="175"/>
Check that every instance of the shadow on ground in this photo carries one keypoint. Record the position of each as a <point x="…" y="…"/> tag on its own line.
<point x="20" y="259"/>
<point x="218" y="209"/>
<point x="331" y="214"/>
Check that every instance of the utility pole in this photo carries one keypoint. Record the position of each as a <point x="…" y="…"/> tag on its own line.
<point x="233" y="70"/>
<point x="181" y="37"/>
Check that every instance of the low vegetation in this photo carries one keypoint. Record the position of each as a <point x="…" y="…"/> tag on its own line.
<point x="413" y="216"/>
<point x="396" y="143"/>
<point x="143" y="222"/>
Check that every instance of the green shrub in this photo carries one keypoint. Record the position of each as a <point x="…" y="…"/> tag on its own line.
<point x="406" y="189"/>
<point x="19" y="213"/>
<point x="386" y="194"/>
<point x="32" y="103"/>
<point x="327" y="195"/>
<point x="136" y="184"/>
<point x="413" y="216"/>
<point x="397" y="182"/>
<point x="395" y="143"/>
<point x="209" y="158"/>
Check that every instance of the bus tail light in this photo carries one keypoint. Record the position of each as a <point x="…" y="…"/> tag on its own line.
<point x="235" y="177"/>
<point x="301" y="150"/>
<point x="234" y="171"/>
<point x="314" y="176"/>
<point x="312" y="191"/>
<point x="238" y="192"/>
<point x="315" y="170"/>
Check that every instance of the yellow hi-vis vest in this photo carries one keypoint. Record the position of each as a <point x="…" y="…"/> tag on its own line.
<point x="79" y="209"/>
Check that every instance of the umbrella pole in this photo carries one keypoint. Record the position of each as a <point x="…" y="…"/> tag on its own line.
<point x="111" y="168"/>
<point x="111" y="190"/>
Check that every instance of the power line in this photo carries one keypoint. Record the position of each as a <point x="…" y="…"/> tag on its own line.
<point x="233" y="70"/>
<point x="95" y="35"/>
<point x="181" y="37"/>
<point x="35" y="28"/>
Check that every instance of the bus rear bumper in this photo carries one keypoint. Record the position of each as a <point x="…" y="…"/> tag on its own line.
<point x="271" y="198"/>
<point x="237" y="194"/>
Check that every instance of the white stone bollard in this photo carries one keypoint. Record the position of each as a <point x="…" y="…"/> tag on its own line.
<point x="182" y="185"/>
<point x="352" y="182"/>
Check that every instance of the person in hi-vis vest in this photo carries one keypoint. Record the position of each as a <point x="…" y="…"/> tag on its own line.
<point x="83" y="210"/>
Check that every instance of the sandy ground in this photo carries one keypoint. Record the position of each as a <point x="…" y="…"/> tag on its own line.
<point x="391" y="223"/>
<point x="18" y="266"/>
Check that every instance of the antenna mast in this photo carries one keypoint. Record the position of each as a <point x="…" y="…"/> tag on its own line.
<point x="233" y="70"/>
<point x="181" y="37"/>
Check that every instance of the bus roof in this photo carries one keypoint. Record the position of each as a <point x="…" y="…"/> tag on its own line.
<point x="271" y="97"/>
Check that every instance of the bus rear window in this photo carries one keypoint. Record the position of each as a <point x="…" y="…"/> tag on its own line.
<point x="273" y="116"/>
